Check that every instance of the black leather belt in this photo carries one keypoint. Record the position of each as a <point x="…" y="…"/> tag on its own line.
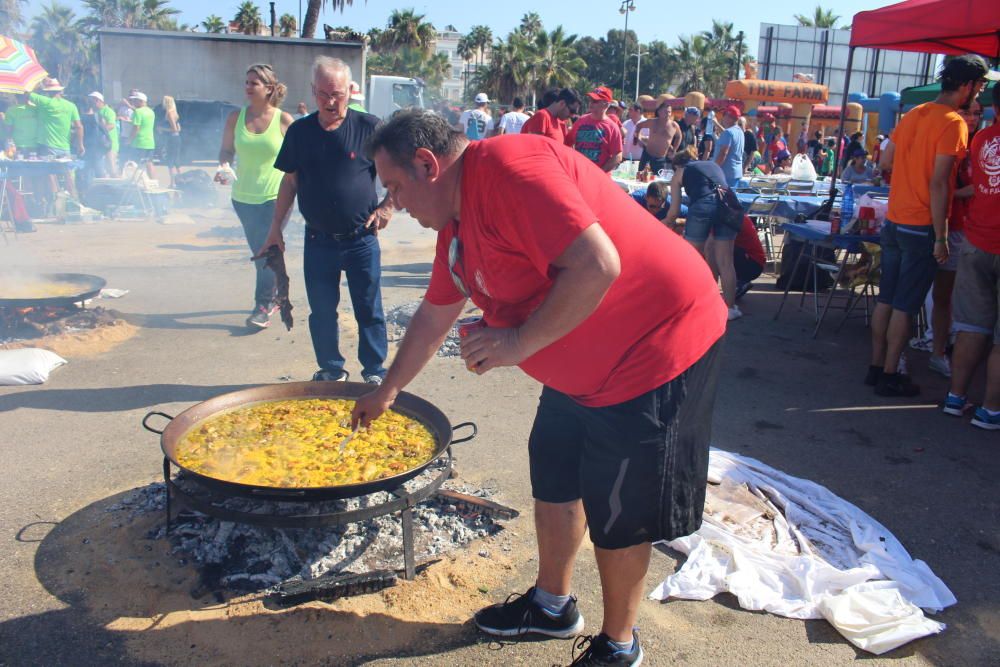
<point x="349" y="236"/>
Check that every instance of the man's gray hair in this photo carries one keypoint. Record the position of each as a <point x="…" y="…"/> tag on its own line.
<point x="413" y="128"/>
<point x="328" y="65"/>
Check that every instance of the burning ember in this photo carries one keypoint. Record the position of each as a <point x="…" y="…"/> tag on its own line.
<point x="38" y="321"/>
<point x="247" y="558"/>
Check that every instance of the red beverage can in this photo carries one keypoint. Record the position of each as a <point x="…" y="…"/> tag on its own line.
<point x="467" y="325"/>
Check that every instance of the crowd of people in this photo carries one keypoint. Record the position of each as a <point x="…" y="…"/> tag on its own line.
<point x="45" y="125"/>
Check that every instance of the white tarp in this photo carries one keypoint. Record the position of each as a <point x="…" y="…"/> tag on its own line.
<point x="791" y="547"/>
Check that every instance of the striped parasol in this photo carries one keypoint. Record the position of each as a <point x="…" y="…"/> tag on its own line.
<point x="20" y="71"/>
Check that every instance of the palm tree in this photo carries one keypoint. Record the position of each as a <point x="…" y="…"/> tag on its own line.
<point x="214" y="24"/>
<point x="465" y="50"/>
<point x="11" y="16"/>
<point x="152" y="14"/>
<point x="407" y="29"/>
<point x="248" y="19"/>
<point x="58" y="40"/>
<point x="287" y="25"/>
<point x="556" y="63"/>
<point x="158" y="15"/>
<point x="480" y="37"/>
<point x="821" y="18"/>
<point x="311" y="19"/>
<point x="531" y="25"/>
<point x="700" y="66"/>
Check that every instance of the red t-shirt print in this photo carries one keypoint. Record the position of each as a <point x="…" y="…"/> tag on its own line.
<point x="597" y="140"/>
<point x="982" y="221"/>
<point x="658" y="318"/>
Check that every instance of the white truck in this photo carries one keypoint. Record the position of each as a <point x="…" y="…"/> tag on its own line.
<point x="388" y="94"/>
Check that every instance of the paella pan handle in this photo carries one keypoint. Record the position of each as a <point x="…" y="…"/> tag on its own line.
<point x="475" y="432"/>
<point x="145" y="421"/>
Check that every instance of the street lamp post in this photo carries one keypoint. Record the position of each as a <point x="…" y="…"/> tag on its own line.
<point x="739" y="53"/>
<point x="638" y="64"/>
<point x="626" y="7"/>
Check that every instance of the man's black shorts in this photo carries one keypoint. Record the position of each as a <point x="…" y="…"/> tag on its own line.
<point x="640" y="466"/>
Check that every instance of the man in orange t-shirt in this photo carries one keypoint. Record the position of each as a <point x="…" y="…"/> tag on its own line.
<point x="927" y="146"/>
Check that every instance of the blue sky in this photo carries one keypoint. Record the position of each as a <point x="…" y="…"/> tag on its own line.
<point x="653" y="19"/>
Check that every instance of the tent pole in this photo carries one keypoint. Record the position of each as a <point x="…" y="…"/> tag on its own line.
<point x="843" y="118"/>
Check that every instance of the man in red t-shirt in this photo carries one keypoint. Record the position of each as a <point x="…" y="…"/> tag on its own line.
<point x="550" y="119"/>
<point x="597" y="136"/>
<point x="614" y="314"/>
<point x="977" y="286"/>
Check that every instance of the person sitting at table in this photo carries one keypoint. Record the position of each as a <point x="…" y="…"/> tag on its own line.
<point x="782" y="163"/>
<point x="699" y="179"/>
<point x="655" y="199"/>
<point x="860" y="170"/>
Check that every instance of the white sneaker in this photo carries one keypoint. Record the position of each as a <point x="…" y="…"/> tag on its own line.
<point x="735" y="313"/>
<point x="941" y="366"/>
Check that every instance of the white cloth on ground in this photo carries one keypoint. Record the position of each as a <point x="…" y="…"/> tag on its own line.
<point x="791" y="547"/>
<point x="27" y="366"/>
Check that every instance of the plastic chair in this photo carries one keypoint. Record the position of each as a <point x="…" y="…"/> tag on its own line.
<point x="868" y="284"/>
<point x="761" y="212"/>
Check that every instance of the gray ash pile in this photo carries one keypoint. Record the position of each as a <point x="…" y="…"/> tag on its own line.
<point x="398" y="318"/>
<point x="246" y="558"/>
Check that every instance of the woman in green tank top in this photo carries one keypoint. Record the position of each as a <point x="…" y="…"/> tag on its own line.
<point x="253" y="136"/>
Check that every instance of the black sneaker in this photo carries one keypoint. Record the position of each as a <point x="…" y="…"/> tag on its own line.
<point x="599" y="651"/>
<point x="873" y="375"/>
<point x="372" y="379"/>
<point x="519" y="615"/>
<point x="260" y="318"/>
<point x="323" y="375"/>
<point x="896" y="385"/>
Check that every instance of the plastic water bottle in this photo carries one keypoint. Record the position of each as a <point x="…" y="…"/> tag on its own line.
<point x="847" y="205"/>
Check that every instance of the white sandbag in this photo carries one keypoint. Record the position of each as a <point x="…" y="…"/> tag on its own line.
<point x="802" y="168"/>
<point x="875" y="617"/>
<point x="27" y="366"/>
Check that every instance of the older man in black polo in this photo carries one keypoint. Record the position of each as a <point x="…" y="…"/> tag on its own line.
<point x="325" y="166"/>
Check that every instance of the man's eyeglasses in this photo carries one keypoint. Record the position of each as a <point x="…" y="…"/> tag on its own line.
<point x="455" y="257"/>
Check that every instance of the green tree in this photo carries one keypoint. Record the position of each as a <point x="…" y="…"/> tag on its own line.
<point x="311" y="20"/>
<point x="59" y="41"/>
<point x="821" y="18"/>
<point x="151" y="14"/>
<point x="213" y="24"/>
<point x="407" y="29"/>
<point x="248" y="19"/>
<point x="556" y="63"/>
<point x="480" y="38"/>
<point x="288" y="26"/>
<point x="531" y="25"/>
<point x="11" y="16"/>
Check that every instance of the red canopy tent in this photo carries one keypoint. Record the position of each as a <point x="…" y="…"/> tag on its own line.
<point x="931" y="26"/>
<point x="951" y="27"/>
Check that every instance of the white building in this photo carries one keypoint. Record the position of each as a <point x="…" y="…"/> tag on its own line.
<point x="786" y="50"/>
<point x="454" y="85"/>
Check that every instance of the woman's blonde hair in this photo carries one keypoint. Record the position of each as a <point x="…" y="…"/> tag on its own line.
<point x="266" y="74"/>
<point x="685" y="155"/>
<point x="169" y="104"/>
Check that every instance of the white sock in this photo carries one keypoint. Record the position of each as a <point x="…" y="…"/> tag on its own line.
<point x="549" y="602"/>
<point x="622" y="646"/>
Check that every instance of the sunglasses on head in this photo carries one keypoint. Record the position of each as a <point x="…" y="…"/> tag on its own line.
<point x="455" y="259"/>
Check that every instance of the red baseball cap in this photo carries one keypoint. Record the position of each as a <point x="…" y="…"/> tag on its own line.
<point x="601" y="94"/>
<point x="733" y="111"/>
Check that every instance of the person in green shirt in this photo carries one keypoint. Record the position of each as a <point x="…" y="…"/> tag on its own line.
<point x="58" y="120"/>
<point x="143" y="141"/>
<point x="829" y="158"/>
<point x="22" y="125"/>
<point x="107" y="117"/>
<point x="357" y="98"/>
